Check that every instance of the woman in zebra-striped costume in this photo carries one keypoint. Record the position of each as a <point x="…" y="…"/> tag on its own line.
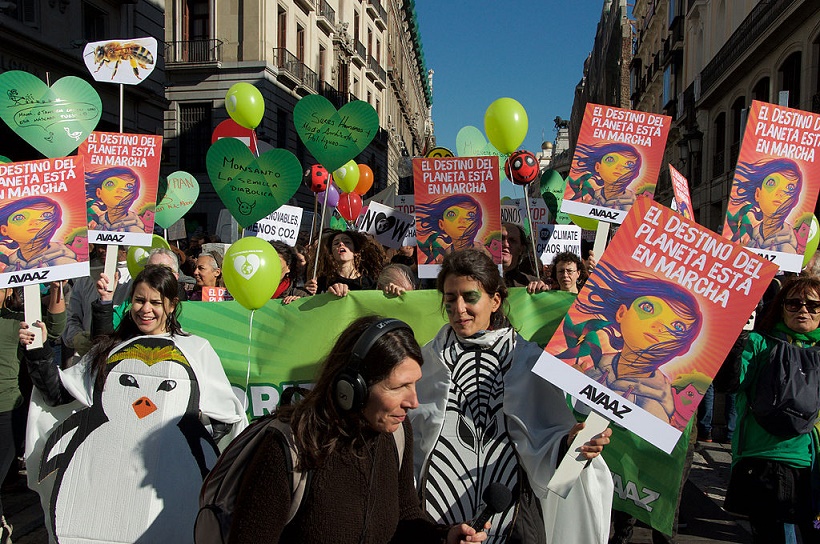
<point x="483" y="417"/>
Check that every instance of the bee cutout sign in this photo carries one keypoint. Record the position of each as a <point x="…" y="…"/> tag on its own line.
<point x="128" y="61"/>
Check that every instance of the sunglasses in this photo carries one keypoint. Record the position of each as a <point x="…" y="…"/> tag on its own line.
<point x="794" y="305"/>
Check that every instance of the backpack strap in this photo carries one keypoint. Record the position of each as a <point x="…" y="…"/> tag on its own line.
<point x="299" y="480"/>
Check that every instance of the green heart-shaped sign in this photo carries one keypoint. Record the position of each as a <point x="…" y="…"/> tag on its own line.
<point x="182" y="190"/>
<point x="470" y="142"/>
<point x="334" y="137"/>
<point x="252" y="187"/>
<point x="54" y="120"/>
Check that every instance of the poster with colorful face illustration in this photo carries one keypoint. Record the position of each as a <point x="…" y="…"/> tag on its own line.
<point x="680" y="187"/>
<point x="43" y="233"/>
<point x="617" y="159"/>
<point x="121" y="178"/>
<point x="457" y="206"/>
<point x="777" y="178"/>
<point x="654" y="322"/>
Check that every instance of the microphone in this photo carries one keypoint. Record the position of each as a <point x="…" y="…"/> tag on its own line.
<point x="497" y="497"/>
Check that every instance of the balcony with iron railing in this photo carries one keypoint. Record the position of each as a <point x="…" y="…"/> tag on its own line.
<point x="360" y="58"/>
<point x="193" y="52"/>
<point x="325" y="17"/>
<point x="750" y="30"/>
<point x="297" y="71"/>
<point x="337" y="98"/>
<point x="375" y="9"/>
<point x="375" y="72"/>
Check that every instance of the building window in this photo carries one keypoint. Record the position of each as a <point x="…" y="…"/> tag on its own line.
<point x="194" y="135"/>
<point x="26" y="12"/>
<point x="761" y="90"/>
<point x="356" y="23"/>
<point x="369" y="42"/>
<point x="282" y="29"/>
<point x="738" y="120"/>
<point x="300" y="43"/>
<point x="322" y="62"/>
<point x="378" y="51"/>
<point x="790" y="78"/>
<point x="719" y="159"/>
<point x="196" y="20"/>
<point x="282" y="129"/>
<point x="93" y="23"/>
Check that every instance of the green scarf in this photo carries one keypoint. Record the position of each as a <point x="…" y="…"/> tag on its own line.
<point x="802" y="339"/>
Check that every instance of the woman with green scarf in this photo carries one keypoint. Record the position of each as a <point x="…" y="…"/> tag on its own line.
<point x="772" y="471"/>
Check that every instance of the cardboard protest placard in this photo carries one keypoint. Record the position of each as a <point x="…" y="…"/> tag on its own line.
<point x="680" y="187"/>
<point x="407" y="204"/>
<point x="43" y="232"/>
<point x="514" y="210"/>
<point x="121" y="178"/>
<point x="215" y="294"/>
<point x="281" y="224"/>
<point x="777" y="178"/>
<point x="618" y="158"/>
<point x="555" y="239"/>
<point x="388" y="226"/>
<point x="126" y="61"/>
<point x="457" y="206"/>
<point x="654" y="322"/>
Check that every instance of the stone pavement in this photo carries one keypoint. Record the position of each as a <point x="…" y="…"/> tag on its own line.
<point x="700" y="506"/>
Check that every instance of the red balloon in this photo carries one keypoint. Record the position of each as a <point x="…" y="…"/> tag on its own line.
<point x="350" y="205"/>
<point x="365" y="180"/>
<point x="316" y="178"/>
<point x="522" y="167"/>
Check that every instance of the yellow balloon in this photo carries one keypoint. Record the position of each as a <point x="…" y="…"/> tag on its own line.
<point x="347" y="176"/>
<point x="506" y="124"/>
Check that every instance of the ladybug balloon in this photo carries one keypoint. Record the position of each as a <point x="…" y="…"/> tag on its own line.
<point x="522" y="167"/>
<point x="317" y="178"/>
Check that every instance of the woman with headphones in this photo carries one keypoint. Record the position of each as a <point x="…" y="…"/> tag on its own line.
<point x="344" y="432"/>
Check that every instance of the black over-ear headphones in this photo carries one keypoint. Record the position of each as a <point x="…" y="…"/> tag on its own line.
<point x="350" y="386"/>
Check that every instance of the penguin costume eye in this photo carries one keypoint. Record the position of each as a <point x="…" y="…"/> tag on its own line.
<point x="167" y="385"/>
<point x="128" y="381"/>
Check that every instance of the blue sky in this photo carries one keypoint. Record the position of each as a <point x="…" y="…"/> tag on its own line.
<point x="481" y="50"/>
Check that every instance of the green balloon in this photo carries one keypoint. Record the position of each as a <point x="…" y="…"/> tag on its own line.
<point x="252" y="271"/>
<point x="252" y="187"/>
<point x="347" y="176"/>
<point x="506" y="124"/>
<point x="137" y="256"/>
<point x="54" y="120"/>
<point x="334" y="137"/>
<point x="812" y="241"/>
<point x="182" y="190"/>
<point x="245" y="105"/>
<point x="470" y="142"/>
<point x="552" y="191"/>
<point x="4" y="159"/>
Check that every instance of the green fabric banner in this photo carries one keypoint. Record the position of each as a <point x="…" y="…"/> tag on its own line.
<point x="278" y="346"/>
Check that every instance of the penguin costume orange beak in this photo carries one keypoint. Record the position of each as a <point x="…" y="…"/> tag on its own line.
<point x="143" y="406"/>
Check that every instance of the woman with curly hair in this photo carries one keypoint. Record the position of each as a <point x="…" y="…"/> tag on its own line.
<point x="765" y="192"/>
<point x="568" y="272"/>
<point x="448" y="224"/>
<point x="348" y="261"/>
<point x="631" y="324"/>
<point x="609" y="170"/>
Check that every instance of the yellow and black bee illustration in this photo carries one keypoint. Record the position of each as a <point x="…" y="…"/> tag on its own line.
<point x="116" y="52"/>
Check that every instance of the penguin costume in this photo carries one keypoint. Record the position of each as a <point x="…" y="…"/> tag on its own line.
<point x="127" y="463"/>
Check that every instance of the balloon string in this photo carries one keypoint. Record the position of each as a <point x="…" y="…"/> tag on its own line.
<point x="248" y="372"/>
<point x="319" y="239"/>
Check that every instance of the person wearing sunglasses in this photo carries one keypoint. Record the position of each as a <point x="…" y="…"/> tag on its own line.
<point x="777" y="467"/>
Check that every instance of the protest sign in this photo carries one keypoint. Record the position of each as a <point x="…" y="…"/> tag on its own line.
<point x="43" y="232"/>
<point x="215" y="294"/>
<point x="281" y="224"/>
<point x="457" y="207"/>
<point x="126" y="61"/>
<point x="388" y="226"/>
<point x="776" y="181"/>
<point x="680" y="187"/>
<point x="555" y="239"/>
<point x="121" y="178"/>
<point x="618" y="158"/>
<point x="654" y="322"/>
<point x="407" y="204"/>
